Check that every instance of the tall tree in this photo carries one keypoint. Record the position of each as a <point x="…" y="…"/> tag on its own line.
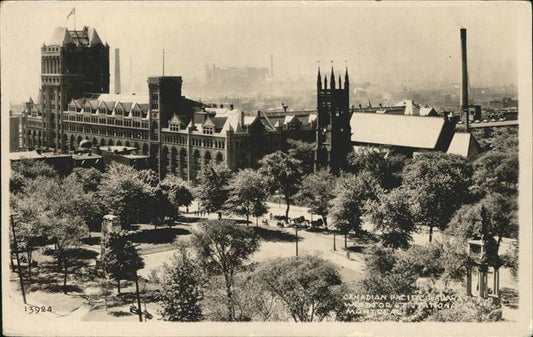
<point x="26" y="170"/>
<point x="304" y="152"/>
<point x="316" y="192"/>
<point x="212" y="191"/>
<point x="125" y="193"/>
<point x="384" y="165"/>
<point x="351" y="194"/>
<point x="222" y="247"/>
<point x="499" y="213"/>
<point x="178" y="191"/>
<point x="284" y="174"/>
<point x="248" y="191"/>
<point x="30" y="233"/>
<point x="438" y="184"/>
<point x="391" y="217"/>
<point x="90" y="178"/>
<point x="181" y="289"/>
<point x="309" y="286"/>
<point x="121" y="259"/>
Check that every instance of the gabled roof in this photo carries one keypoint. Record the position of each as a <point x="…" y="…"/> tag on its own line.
<point x="249" y="120"/>
<point x="176" y="120"/>
<point x="428" y="112"/>
<point x="109" y="105"/>
<point x="209" y="122"/>
<point x="127" y="106"/>
<point x="411" y="108"/>
<point x="396" y="130"/>
<point x="60" y="37"/>
<point x="463" y="144"/>
<point x="94" y="39"/>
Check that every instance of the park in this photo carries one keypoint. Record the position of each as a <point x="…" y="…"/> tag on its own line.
<point x="276" y="243"/>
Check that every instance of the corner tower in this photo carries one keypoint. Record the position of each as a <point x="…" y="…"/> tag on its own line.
<point x="73" y="63"/>
<point x="333" y="123"/>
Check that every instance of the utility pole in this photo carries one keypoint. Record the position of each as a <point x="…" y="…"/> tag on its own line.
<point x="18" y="260"/>
<point x="138" y="297"/>
<point x="296" y="228"/>
<point x="334" y="240"/>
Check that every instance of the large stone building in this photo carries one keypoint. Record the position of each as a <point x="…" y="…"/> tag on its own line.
<point x="178" y="135"/>
<point x="172" y="133"/>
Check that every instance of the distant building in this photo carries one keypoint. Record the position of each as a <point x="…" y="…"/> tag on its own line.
<point x="14" y="132"/>
<point x="233" y="79"/>
<point x="404" y="107"/>
<point x="505" y="102"/>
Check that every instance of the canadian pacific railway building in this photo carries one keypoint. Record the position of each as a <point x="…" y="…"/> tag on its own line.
<point x="178" y="135"/>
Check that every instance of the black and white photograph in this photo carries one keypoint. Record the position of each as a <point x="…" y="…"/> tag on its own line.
<point x="264" y="168"/>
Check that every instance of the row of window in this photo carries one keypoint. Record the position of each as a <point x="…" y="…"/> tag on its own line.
<point x="200" y="142"/>
<point x="107" y="121"/>
<point x="50" y="65"/>
<point x="106" y="131"/>
<point x="103" y="110"/>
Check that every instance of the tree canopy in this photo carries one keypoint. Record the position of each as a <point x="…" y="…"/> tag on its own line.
<point x="181" y="288"/>
<point x="391" y="216"/>
<point x="308" y="285"/>
<point x="134" y="196"/>
<point x="212" y="191"/>
<point x="121" y="259"/>
<point x="351" y="193"/>
<point x="283" y="173"/>
<point x="317" y="192"/>
<point x="248" y="193"/>
<point x="438" y="184"/>
<point x="304" y="152"/>
<point x="222" y="246"/>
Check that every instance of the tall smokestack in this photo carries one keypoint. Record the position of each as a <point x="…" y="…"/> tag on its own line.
<point x="271" y="66"/>
<point x="117" y="71"/>
<point x="464" y="85"/>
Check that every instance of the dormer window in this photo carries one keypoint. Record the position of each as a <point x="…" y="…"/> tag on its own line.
<point x="118" y="111"/>
<point x="174" y="126"/>
<point x="86" y="108"/>
<point x="208" y="130"/>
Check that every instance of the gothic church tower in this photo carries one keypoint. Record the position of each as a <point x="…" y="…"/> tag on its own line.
<point x="333" y="122"/>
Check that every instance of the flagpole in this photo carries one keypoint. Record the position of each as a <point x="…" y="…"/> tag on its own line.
<point x="74" y="18"/>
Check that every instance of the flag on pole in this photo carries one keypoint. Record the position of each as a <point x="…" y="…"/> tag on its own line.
<point x="72" y="12"/>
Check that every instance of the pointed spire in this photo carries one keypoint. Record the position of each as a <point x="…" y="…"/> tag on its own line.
<point x="346" y="77"/>
<point x="339" y="81"/>
<point x="332" y="78"/>
<point x="325" y="81"/>
<point x="319" y="80"/>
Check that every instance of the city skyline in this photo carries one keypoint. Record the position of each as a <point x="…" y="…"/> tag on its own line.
<point x="413" y="46"/>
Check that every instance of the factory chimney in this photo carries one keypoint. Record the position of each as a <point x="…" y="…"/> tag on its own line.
<point x="464" y="84"/>
<point x="117" y="71"/>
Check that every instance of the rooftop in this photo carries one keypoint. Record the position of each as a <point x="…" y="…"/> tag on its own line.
<point x="396" y="130"/>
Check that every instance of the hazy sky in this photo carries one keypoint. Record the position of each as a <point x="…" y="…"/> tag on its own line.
<point x="406" y="43"/>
